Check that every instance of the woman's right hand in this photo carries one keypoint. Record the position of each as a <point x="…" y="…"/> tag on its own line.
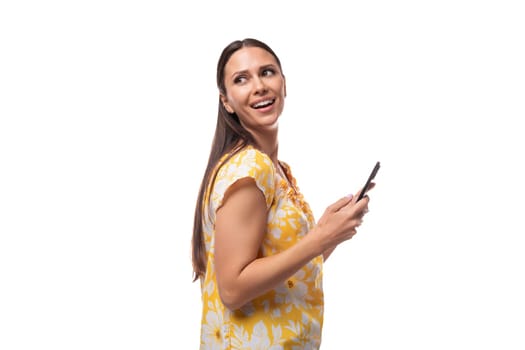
<point x="340" y="220"/>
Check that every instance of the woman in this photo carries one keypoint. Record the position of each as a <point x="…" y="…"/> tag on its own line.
<point x="256" y="247"/>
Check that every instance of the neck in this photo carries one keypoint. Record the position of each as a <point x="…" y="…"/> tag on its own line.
<point x="269" y="144"/>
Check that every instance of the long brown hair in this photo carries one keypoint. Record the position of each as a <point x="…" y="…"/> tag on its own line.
<point x="230" y="137"/>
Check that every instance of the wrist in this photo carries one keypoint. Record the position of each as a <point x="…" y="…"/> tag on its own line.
<point x="314" y="242"/>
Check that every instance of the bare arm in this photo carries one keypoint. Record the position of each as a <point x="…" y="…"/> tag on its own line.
<point x="239" y="231"/>
<point x="240" y="228"/>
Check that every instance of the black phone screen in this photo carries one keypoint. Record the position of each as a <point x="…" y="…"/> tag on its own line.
<point x="368" y="181"/>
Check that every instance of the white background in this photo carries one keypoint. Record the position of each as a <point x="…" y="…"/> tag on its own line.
<point x="107" y="109"/>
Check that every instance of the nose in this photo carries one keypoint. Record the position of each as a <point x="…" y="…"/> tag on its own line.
<point x="259" y="86"/>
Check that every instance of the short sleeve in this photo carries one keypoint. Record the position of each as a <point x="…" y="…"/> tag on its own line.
<point x="247" y="163"/>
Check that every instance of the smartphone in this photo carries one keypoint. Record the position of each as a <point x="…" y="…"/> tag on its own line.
<point x="368" y="181"/>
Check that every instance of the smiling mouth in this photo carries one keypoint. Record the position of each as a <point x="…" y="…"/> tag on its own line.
<point x="262" y="104"/>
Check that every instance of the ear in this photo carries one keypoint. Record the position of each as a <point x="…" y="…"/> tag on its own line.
<point x="226" y="105"/>
<point x="284" y="79"/>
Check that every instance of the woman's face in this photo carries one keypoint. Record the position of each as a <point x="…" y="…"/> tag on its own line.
<point x="255" y="88"/>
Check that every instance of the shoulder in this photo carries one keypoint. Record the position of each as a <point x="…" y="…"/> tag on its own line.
<point x="251" y="154"/>
<point x="249" y="161"/>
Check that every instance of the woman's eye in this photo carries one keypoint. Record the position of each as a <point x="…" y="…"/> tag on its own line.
<point x="239" y="80"/>
<point x="267" y="72"/>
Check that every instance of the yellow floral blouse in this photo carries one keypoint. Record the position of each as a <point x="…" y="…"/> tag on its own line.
<point x="291" y="315"/>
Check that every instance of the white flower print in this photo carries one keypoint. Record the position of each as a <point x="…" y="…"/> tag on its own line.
<point x="260" y="339"/>
<point x="310" y="337"/>
<point x="212" y="331"/>
<point x="208" y="288"/>
<point x="276" y="335"/>
<point x="240" y="337"/>
<point x="293" y="293"/>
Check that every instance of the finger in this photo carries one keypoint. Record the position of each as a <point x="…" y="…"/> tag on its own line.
<point x="362" y="204"/>
<point x="340" y="203"/>
<point x="370" y="187"/>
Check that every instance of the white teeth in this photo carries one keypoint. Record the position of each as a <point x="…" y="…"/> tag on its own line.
<point x="262" y="104"/>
